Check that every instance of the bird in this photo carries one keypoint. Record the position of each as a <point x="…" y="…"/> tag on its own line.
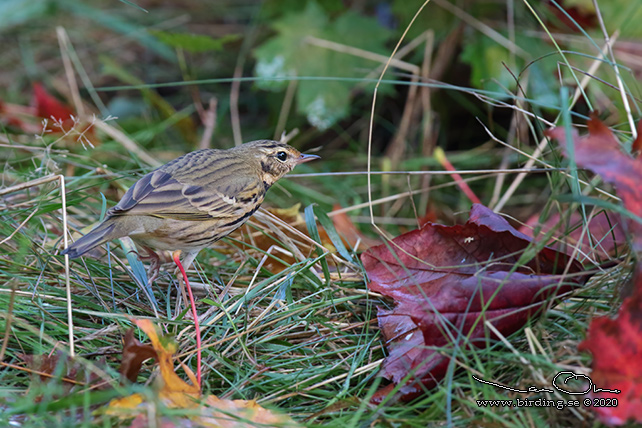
<point x="193" y="201"/>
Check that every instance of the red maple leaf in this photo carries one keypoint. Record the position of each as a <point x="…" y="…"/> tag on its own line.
<point x="447" y="281"/>
<point x="616" y="345"/>
<point x="49" y="107"/>
<point x="601" y="235"/>
<point x="64" y="120"/>
<point x="600" y="152"/>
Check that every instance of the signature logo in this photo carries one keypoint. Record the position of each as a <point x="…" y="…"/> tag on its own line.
<point x="559" y="382"/>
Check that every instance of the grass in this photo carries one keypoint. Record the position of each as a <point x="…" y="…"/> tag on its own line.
<point x="297" y="340"/>
<point x="303" y="340"/>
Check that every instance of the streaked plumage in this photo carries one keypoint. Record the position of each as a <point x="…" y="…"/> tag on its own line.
<point x="194" y="200"/>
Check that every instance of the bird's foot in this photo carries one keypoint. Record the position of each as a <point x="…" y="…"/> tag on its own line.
<point x="156" y="260"/>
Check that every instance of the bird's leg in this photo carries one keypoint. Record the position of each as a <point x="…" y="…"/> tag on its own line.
<point x="154" y="265"/>
<point x="177" y="260"/>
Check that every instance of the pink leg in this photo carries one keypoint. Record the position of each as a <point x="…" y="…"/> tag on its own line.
<point x="154" y="265"/>
<point x="177" y="260"/>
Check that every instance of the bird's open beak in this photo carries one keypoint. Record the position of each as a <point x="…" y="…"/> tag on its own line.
<point x="307" y="158"/>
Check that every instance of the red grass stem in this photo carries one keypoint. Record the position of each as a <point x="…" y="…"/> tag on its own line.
<point x="443" y="160"/>
<point x="177" y="260"/>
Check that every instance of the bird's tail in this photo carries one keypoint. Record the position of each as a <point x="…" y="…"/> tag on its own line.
<point x="99" y="235"/>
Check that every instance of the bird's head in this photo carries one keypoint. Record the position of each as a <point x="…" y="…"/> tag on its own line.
<point x="274" y="159"/>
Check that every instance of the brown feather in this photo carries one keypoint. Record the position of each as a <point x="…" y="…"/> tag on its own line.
<point x="196" y="199"/>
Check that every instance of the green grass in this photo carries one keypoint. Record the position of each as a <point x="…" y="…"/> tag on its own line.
<point x="297" y="341"/>
<point x="303" y="341"/>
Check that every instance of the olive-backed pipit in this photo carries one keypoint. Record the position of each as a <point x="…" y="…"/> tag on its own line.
<point x="194" y="200"/>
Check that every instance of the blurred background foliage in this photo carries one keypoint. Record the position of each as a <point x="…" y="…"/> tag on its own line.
<point x="312" y="65"/>
<point x="473" y="81"/>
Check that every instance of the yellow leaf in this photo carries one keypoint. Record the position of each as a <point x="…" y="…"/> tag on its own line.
<point x="209" y="411"/>
<point x="117" y="405"/>
<point x="165" y="352"/>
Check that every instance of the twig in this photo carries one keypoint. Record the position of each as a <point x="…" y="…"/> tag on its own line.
<point x="234" y="102"/>
<point x="482" y="28"/>
<point x="372" y="112"/>
<point x="443" y="160"/>
<point x="397" y="147"/>
<point x="361" y="53"/>
<point x="63" y="41"/>
<point x="127" y="143"/>
<point x="427" y="142"/>
<point x="7" y="326"/>
<point x="285" y="109"/>
<point x="544" y="142"/>
<point x="625" y="99"/>
<point x="63" y="195"/>
<point x="17" y="230"/>
<point x="177" y="260"/>
<point x="41" y="373"/>
<point x="209" y="120"/>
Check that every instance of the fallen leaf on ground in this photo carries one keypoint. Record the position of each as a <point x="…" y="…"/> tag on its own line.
<point x="48" y="107"/>
<point x="447" y="281"/>
<point x="61" y="367"/>
<point x="350" y="234"/>
<point x="600" y="152"/>
<point x="636" y="146"/>
<point x="272" y="234"/>
<point x="61" y="119"/>
<point x="616" y="346"/>
<point x="604" y="237"/>
<point x="209" y="411"/>
<point x="134" y="354"/>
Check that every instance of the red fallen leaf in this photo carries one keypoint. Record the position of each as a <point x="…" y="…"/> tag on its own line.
<point x="605" y="234"/>
<point x="576" y="16"/>
<point x="348" y="231"/>
<point x="636" y="147"/>
<point x="442" y="278"/>
<point x="60" y="367"/>
<point x="429" y="217"/>
<point x="65" y="122"/>
<point x="49" y="107"/>
<point x="134" y="353"/>
<point x="45" y="365"/>
<point x="616" y="345"/>
<point x="17" y="116"/>
<point x="600" y="152"/>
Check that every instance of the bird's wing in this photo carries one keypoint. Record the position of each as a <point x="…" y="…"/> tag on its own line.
<point x="160" y="194"/>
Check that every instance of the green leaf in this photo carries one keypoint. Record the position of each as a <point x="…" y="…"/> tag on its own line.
<point x="489" y="61"/>
<point x="281" y="56"/>
<point x="486" y="59"/>
<point x="194" y="42"/>
<point x="433" y="17"/>
<point x="323" y="108"/>
<point x="290" y="53"/>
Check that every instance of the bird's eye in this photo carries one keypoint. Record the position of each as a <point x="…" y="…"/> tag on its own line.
<point x="282" y="156"/>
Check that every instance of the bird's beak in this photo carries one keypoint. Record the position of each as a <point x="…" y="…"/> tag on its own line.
<point x="306" y="158"/>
